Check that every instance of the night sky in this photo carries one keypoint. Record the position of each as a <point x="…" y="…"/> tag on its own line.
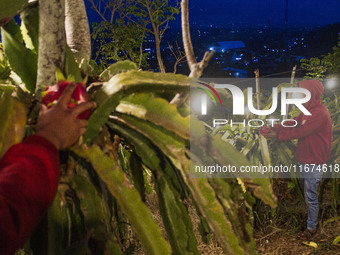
<point x="301" y="12"/>
<point x="310" y="12"/>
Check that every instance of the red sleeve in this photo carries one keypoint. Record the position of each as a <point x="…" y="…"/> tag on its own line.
<point x="29" y="175"/>
<point x="309" y="125"/>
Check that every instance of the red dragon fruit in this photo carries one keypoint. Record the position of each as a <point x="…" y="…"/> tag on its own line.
<point x="52" y="94"/>
<point x="264" y="130"/>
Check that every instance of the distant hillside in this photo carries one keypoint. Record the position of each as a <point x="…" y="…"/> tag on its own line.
<point x="322" y="40"/>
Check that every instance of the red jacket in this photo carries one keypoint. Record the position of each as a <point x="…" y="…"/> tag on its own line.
<point x="29" y="175"/>
<point x="314" y="132"/>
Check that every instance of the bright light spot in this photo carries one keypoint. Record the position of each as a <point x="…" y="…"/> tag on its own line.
<point x="331" y="84"/>
<point x="200" y="103"/>
<point x="204" y="104"/>
<point x="211" y="48"/>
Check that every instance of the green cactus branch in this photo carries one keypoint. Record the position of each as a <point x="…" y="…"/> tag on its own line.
<point x="118" y="184"/>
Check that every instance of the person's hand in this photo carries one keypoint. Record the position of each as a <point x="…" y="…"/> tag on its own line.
<point x="271" y="135"/>
<point x="59" y="124"/>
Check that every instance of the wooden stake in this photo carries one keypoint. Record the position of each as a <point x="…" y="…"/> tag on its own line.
<point x="292" y="78"/>
<point x="263" y="141"/>
<point x="258" y="98"/>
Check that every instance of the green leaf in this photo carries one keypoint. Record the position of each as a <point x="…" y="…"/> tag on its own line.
<point x="174" y="213"/>
<point x="225" y="154"/>
<point x="143" y="147"/>
<point x="150" y="155"/>
<point x="30" y="26"/>
<point x="9" y="88"/>
<point x="9" y="9"/>
<point x="127" y="198"/>
<point x="204" y="230"/>
<point x="264" y="150"/>
<point x="171" y="145"/>
<point x="59" y="76"/>
<point x="5" y="69"/>
<point x="57" y="223"/>
<point x="12" y="122"/>
<point x="246" y="149"/>
<point x="71" y="66"/>
<point x="156" y="110"/>
<point x="205" y="198"/>
<point x="137" y="170"/>
<point x="233" y="203"/>
<point x="176" y="219"/>
<point x="116" y="68"/>
<point x="311" y="244"/>
<point x="121" y="85"/>
<point x="174" y="149"/>
<point x="336" y="240"/>
<point x="91" y="206"/>
<point x="22" y="60"/>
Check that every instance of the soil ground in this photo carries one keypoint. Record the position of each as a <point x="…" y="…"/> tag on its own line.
<point x="280" y="235"/>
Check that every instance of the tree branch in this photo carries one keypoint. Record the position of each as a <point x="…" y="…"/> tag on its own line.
<point x="166" y="20"/>
<point x="156" y="32"/>
<point x="189" y="51"/>
<point x="195" y="68"/>
<point x="147" y="29"/>
<point x="94" y="7"/>
<point x="114" y="9"/>
<point x="161" y="33"/>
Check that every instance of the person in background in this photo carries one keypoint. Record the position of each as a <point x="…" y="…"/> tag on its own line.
<point x="29" y="171"/>
<point x="314" y="134"/>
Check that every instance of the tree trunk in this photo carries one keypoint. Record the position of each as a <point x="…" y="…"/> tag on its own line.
<point x="189" y="51"/>
<point x="195" y="68"/>
<point x="77" y="30"/>
<point x="159" y="54"/>
<point x="52" y="41"/>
